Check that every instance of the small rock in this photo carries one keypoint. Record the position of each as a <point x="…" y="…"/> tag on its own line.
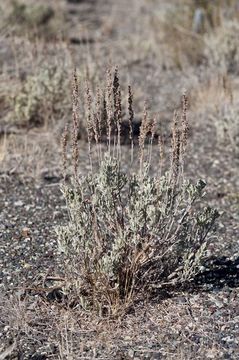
<point x="228" y="339"/>
<point x="18" y="203"/>
<point x="131" y="353"/>
<point x="25" y="232"/>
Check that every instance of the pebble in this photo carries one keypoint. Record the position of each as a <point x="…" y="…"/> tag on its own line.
<point x="18" y="203"/>
<point x="25" y="232"/>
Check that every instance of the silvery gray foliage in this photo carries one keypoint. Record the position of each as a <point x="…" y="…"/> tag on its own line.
<point x="128" y="230"/>
<point x="40" y="95"/>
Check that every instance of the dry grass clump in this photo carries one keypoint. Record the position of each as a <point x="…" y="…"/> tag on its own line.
<point x="191" y="32"/>
<point x="222" y="48"/>
<point x="204" y="324"/>
<point x="221" y="107"/>
<point x="182" y="45"/>
<point x="165" y="33"/>
<point x="130" y="231"/>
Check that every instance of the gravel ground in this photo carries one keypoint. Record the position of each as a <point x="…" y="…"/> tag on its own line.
<point x="29" y="213"/>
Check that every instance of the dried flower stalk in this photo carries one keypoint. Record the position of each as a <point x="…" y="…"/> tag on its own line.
<point x="131" y="120"/>
<point x="75" y="127"/>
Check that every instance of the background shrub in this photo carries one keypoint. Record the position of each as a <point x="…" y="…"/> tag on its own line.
<point x="220" y="106"/>
<point x="40" y="96"/>
<point x="222" y="48"/>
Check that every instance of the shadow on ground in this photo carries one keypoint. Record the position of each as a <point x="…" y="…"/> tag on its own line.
<point x="220" y="272"/>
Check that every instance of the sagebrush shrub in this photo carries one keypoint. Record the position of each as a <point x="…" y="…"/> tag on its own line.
<point x="40" y="96"/>
<point x="132" y="231"/>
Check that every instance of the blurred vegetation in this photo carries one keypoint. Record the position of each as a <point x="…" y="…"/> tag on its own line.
<point x="38" y="99"/>
<point x="31" y="16"/>
<point x="33" y="19"/>
<point x="188" y="24"/>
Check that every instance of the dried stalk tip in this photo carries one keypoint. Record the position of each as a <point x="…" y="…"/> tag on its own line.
<point x="184" y="121"/>
<point x="64" y="140"/>
<point x="75" y="124"/>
